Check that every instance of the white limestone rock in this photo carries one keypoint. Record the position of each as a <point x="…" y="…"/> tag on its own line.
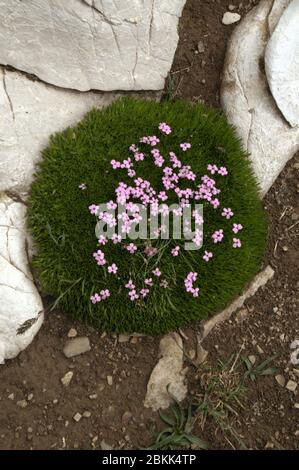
<point x="248" y="103"/>
<point x="230" y="18"/>
<point x="277" y="10"/>
<point x="282" y="63"/>
<point x="91" y="44"/>
<point x="168" y="372"/>
<point x="21" y="309"/>
<point x="30" y="112"/>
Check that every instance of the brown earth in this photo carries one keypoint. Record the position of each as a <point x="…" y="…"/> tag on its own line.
<point x="269" y="322"/>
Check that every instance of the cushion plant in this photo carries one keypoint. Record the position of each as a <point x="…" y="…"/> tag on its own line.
<point x="176" y="152"/>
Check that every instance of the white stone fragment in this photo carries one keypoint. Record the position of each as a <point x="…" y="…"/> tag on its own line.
<point x="30" y="112"/>
<point x="91" y="44"/>
<point x="168" y="372"/>
<point x="21" y="309"/>
<point x="249" y="105"/>
<point x="230" y="18"/>
<point x="282" y="63"/>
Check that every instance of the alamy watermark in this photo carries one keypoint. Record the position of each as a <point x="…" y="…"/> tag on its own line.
<point x="156" y="221"/>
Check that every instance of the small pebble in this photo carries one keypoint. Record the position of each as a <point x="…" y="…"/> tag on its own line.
<point x="72" y="333"/>
<point x="230" y="18"/>
<point x="291" y="385"/>
<point x="77" y="417"/>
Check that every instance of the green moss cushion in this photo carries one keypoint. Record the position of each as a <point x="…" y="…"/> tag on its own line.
<point x="64" y="229"/>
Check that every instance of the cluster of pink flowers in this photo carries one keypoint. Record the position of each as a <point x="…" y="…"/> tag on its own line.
<point x="100" y="257"/>
<point x="190" y="279"/>
<point x="175" y="176"/>
<point x="165" y="128"/>
<point x="103" y="295"/>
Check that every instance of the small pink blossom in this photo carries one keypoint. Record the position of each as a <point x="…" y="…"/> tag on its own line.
<point x="185" y="146"/>
<point x="175" y="251"/>
<point x="148" y="282"/>
<point x="215" y="203"/>
<point x="139" y="157"/>
<point x="133" y="148"/>
<point x="100" y="257"/>
<point x="133" y="295"/>
<point x="115" y="164"/>
<point x="112" y="269"/>
<point x="116" y="238"/>
<point x="236" y="243"/>
<point x="227" y="212"/>
<point x="131" y="248"/>
<point x="208" y="254"/>
<point x="157" y="272"/>
<point x="105" y="293"/>
<point x="165" y="128"/>
<point x="237" y="227"/>
<point x="218" y="236"/>
<point x="130" y="285"/>
<point x="212" y="169"/>
<point x="95" y="298"/>
<point x="144" y="292"/>
<point x="102" y="240"/>
<point x="93" y="209"/>
<point x="222" y="171"/>
<point x="111" y="205"/>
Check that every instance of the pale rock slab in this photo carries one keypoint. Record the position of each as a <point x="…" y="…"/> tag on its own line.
<point x="91" y="44"/>
<point x="168" y="372"/>
<point x="282" y="63"/>
<point x="21" y="308"/>
<point x="30" y="112"/>
<point x="277" y="10"/>
<point x="248" y="103"/>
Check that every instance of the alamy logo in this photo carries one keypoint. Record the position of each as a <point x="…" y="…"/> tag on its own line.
<point x="157" y="221"/>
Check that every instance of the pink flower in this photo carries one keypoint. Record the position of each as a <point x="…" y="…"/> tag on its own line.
<point x="190" y="279"/>
<point x="227" y="212"/>
<point x="116" y="238"/>
<point x="95" y="298"/>
<point x="144" y="292"/>
<point x="185" y="146"/>
<point x="148" y="282"/>
<point x="208" y="254"/>
<point x="236" y="243"/>
<point x="112" y="269"/>
<point x="131" y="248"/>
<point x="130" y="285"/>
<point x="212" y="169"/>
<point x="175" y="251"/>
<point x="133" y="295"/>
<point x="82" y="186"/>
<point x="93" y="209"/>
<point x="165" y="128"/>
<point x="163" y="196"/>
<point x="115" y="164"/>
<point x="218" y="236"/>
<point x="157" y="272"/>
<point x="215" y="203"/>
<point x="139" y="157"/>
<point x="99" y="257"/>
<point x="105" y="294"/>
<point x="133" y="148"/>
<point x="102" y="240"/>
<point x="111" y="205"/>
<point x="237" y="227"/>
<point x="222" y="171"/>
